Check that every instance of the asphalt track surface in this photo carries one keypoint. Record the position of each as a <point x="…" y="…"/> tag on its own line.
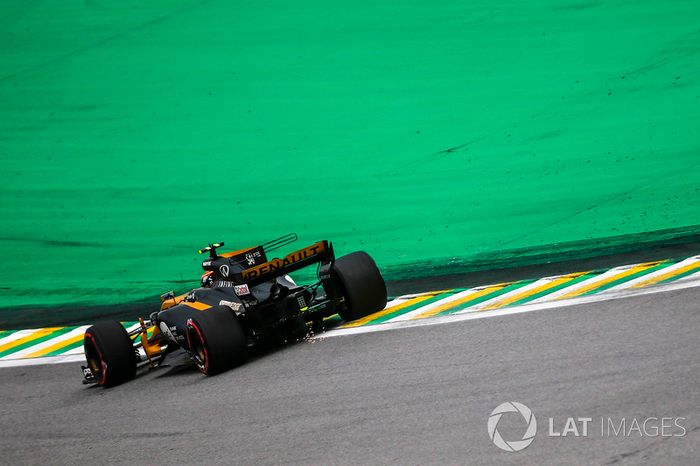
<point x="409" y="396"/>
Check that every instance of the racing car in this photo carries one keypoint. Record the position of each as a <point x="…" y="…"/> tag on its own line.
<point x="244" y="301"/>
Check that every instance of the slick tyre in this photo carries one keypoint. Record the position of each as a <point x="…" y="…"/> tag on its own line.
<point x="216" y="340"/>
<point x="110" y="353"/>
<point x="361" y="284"/>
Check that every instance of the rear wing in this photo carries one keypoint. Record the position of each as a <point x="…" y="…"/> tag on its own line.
<point x="315" y="253"/>
<point x="255" y="255"/>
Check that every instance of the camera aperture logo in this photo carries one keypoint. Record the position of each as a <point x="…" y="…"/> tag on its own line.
<point x="512" y="445"/>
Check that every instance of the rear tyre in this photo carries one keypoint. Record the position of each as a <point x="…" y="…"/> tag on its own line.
<point x="361" y="284"/>
<point x="110" y="353"/>
<point x="217" y="340"/>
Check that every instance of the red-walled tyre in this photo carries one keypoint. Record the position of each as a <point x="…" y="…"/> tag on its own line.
<point x="110" y="353"/>
<point x="361" y="284"/>
<point x="216" y="340"/>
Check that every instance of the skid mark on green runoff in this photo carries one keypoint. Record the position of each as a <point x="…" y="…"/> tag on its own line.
<point x="131" y="133"/>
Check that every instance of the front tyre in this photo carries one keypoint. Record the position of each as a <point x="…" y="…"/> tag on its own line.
<point x="110" y="353"/>
<point x="361" y="285"/>
<point x="217" y="340"/>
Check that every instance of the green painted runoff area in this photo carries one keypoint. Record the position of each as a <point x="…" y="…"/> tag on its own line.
<point x="434" y="135"/>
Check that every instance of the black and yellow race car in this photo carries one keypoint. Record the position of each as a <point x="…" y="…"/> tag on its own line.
<point x="245" y="300"/>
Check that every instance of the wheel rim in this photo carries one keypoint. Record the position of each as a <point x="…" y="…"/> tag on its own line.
<point x="197" y="347"/>
<point x="96" y="363"/>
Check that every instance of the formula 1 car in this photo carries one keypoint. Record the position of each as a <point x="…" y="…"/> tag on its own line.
<point x="245" y="300"/>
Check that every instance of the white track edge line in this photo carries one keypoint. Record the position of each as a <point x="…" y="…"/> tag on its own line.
<point x="41" y="361"/>
<point x="450" y="318"/>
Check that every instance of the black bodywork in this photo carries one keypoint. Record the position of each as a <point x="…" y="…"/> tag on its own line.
<point x="269" y="305"/>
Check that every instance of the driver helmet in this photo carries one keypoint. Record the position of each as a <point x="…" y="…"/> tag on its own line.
<point x="207" y="279"/>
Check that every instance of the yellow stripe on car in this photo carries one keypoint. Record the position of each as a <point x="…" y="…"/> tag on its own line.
<point x="197" y="305"/>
